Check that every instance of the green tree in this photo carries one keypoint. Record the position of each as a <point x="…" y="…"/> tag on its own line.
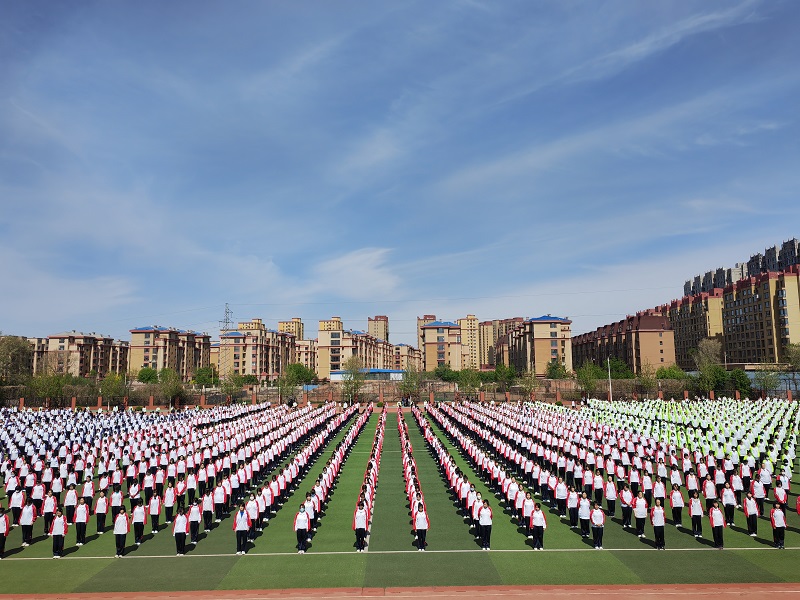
<point x="791" y="354"/>
<point x="206" y="376"/>
<point x="445" y="373"/>
<point x="556" y="370"/>
<point x="740" y="382"/>
<point x="646" y="379"/>
<point x="15" y="359"/>
<point x="587" y="376"/>
<point x="671" y="372"/>
<point x="712" y="377"/>
<point x="171" y="386"/>
<point x="147" y="375"/>
<point x="529" y="383"/>
<point x="301" y="374"/>
<point x="232" y="385"/>
<point x="250" y="380"/>
<point x="469" y="381"/>
<point x="353" y="378"/>
<point x="505" y="376"/>
<point x="619" y="369"/>
<point x="114" y="386"/>
<point x="766" y="380"/>
<point x="287" y="386"/>
<point x="409" y="386"/>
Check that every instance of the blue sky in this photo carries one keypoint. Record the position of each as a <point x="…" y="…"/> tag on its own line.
<point x="358" y="158"/>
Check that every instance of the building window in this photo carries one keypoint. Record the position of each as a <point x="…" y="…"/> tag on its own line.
<point x="552" y="325"/>
<point x="554" y="343"/>
<point x="440" y="338"/>
<point x="335" y="335"/>
<point x="553" y="334"/>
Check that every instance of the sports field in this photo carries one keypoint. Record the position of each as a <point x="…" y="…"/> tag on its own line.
<point x="453" y="558"/>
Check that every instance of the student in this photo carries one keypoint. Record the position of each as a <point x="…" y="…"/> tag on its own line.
<point x="421" y="526"/>
<point x="717" y="520"/>
<point x="584" y="512"/>
<point x="302" y="523"/>
<point x="572" y="507"/>
<point x="100" y="511"/>
<point x="527" y="510"/>
<point x="241" y="525"/>
<point x="360" y="524"/>
<point x="611" y="496"/>
<point x="538" y="525"/>
<point x="626" y="499"/>
<point x="485" y="522"/>
<point x="122" y="526"/>
<point x="27" y="518"/>
<point x="208" y="510"/>
<point x="154" y="509"/>
<point x="5" y="527"/>
<point x="640" y="513"/>
<point x="58" y="531"/>
<point x="194" y="521"/>
<point x="728" y="503"/>
<point x="170" y="497"/>
<point x="696" y="514"/>
<point x="778" y="519"/>
<point x="139" y="519"/>
<point x="658" y="520"/>
<point x="180" y="527"/>
<point x="677" y="503"/>
<point x="598" y="520"/>
<point x="81" y="521"/>
<point x="70" y="502"/>
<point x="49" y="507"/>
<point x="751" y="513"/>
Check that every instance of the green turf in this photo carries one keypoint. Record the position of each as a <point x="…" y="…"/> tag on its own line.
<point x="392" y="560"/>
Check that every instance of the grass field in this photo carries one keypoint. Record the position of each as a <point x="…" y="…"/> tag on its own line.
<point x="392" y="560"/>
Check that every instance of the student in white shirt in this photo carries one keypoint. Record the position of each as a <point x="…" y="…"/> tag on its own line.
<point x="658" y="521"/>
<point x="180" y="527"/>
<point x="360" y="524"/>
<point x="485" y="523"/>
<point x="58" y="531"/>
<point x="122" y="526"/>
<point x="538" y="525"/>
<point x="778" y="519"/>
<point x="421" y="526"/>
<point x="241" y="525"/>
<point x="717" y="519"/>
<point x="302" y="523"/>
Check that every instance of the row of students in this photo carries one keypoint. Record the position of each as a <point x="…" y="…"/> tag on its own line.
<point x="420" y="523"/>
<point x="362" y="515"/>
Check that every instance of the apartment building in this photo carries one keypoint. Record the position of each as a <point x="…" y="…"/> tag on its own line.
<point x="79" y="354"/>
<point x="644" y="339"/>
<point x="470" y="337"/>
<point x="407" y="357"/>
<point x="294" y="327"/>
<point x="253" y="349"/>
<point x="421" y="322"/>
<point x="305" y="353"/>
<point x="441" y="345"/>
<point x="489" y="333"/>
<point x="378" y="327"/>
<point x="160" y="347"/>
<point x="534" y="343"/>
<point x="761" y="315"/>
<point x="695" y="318"/>
<point x="335" y="345"/>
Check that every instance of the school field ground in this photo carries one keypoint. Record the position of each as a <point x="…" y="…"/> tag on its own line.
<point x="453" y="558"/>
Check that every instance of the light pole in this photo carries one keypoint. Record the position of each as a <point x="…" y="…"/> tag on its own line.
<point x="610" y="391"/>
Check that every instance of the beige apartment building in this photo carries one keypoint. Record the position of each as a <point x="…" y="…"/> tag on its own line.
<point x="335" y="345"/>
<point x="421" y="322"/>
<point x="470" y="336"/>
<point x="79" y="354"/>
<point x="305" y="353"/>
<point x="695" y="318"/>
<point x="159" y="348"/>
<point x="378" y="327"/>
<point x="294" y="327"/>
<point x="643" y="340"/>
<point x="489" y="332"/>
<point x="407" y="357"/>
<point x="761" y="315"/>
<point x="252" y="349"/>
<point x="441" y="345"/>
<point x="534" y="343"/>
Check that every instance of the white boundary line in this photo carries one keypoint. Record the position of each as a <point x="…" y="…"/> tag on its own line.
<point x="343" y="553"/>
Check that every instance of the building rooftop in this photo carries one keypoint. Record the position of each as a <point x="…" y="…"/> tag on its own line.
<point x="440" y="324"/>
<point x="547" y="318"/>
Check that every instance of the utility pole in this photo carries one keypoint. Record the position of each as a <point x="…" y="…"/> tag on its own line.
<point x="225" y="325"/>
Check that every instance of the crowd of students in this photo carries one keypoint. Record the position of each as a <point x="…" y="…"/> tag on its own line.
<point x="420" y="523"/>
<point x="189" y="464"/>
<point x="575" y="464"/>
<point x="362" y="515"/>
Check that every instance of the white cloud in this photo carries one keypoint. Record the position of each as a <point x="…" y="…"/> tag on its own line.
<point x="358" y="275"/>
